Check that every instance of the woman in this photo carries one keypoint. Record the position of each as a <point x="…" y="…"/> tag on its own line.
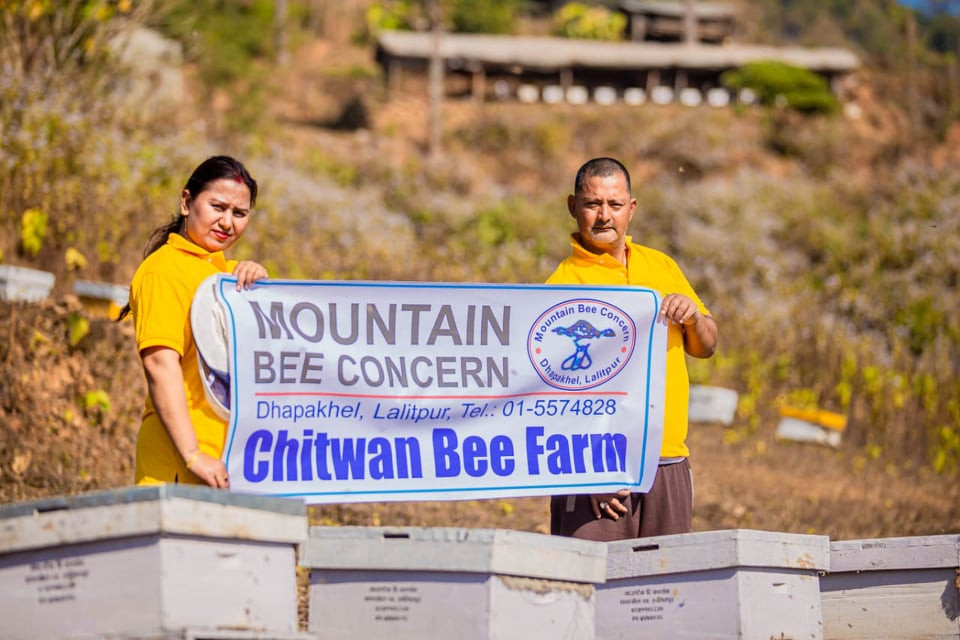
<point x="181" y="439"/>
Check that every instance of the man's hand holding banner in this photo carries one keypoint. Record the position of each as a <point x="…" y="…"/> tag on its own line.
<point x="370" y="391"/>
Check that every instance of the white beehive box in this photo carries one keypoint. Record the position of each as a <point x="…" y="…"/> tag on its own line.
<point x="634" y="96"/>
<point x="811" y="425"/>
<point x="712" y="404"/>
<point x="468" y="584"/>
<point x="714" y="584"/>
<point x="23" y="284"/>
<point x="166" y="561"/>
<point x="102" y="298"/>
<point x="892" y="588"/>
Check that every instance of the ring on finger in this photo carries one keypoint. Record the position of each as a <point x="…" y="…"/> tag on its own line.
<point x="603" y="505"/>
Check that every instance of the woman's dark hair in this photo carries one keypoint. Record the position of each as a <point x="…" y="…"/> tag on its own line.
<point x="210" y="170"/>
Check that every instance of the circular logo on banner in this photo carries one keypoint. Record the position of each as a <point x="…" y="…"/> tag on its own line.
<point x="581" y="343"/>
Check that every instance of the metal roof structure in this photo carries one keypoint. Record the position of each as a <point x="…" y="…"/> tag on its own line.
<point x="555" y="54"/>
<point x="713" y="22"/>
<point x="702" y="10"/>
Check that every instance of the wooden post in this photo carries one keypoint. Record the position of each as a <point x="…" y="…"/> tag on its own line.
<point x="478" y="82"/>
<point x="638" y="27"/>
<point x="316" y="21"/>
<point x="435" y="79"/>
<point x="280" y="31"/>
<point x="951" y="80"/>
<point x="690" y="22"/>
<point x="653" y="80"/>
<point x="393" y="76"/>
<point x="911" y="37"/>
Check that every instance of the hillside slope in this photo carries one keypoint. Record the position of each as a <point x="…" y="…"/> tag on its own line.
<point x="69" y="414"/>
<point x="754" y="204"/>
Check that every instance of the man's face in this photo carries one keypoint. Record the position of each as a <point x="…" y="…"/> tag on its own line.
<point x="603" y="210"/>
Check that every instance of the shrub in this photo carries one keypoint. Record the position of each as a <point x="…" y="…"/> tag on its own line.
<point x="482" y="16"/>
<point x="578" y="20"/>
<point x="78" y="170"/>
<point x="37" y="36"/>
<point x="779" y="84"/>
<point x="460" y="16"/>
<point x="392" y="15"/>
<point x="223" y="37"/>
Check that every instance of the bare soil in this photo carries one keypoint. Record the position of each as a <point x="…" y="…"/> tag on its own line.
<point x="69" y="415"/>
<point x="71" y="391"/>
<point x="760" y="483"/>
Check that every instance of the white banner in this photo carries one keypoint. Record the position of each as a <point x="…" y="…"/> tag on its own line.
<point x="389" y="391"/>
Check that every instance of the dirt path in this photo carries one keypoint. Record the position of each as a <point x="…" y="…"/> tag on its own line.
<point x="759" y="483"/>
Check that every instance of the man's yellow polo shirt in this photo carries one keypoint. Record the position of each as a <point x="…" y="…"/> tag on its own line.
<point x="655" y="270"/>
<point x="160" y="297"/>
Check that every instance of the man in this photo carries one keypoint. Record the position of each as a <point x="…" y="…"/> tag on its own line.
<point x="602" y="254"/>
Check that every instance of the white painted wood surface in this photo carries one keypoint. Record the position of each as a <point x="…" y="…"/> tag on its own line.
<point x="116" y="293"/>
<point x="712" y="404"/>
<point x="634" y="96"/>
<point x="718" y="97"/>
<point x="468" y="584"/>
<point x="899" y="588"/>
<point x="605" y="95"/>
<point x="494" y="551"/>
<point x="168" y="509"/>
<point x="713" y="584"/>
<point x="802" y="431"/>
<point x="24" y="284"/>
<point x="150" y="562"/>
<point x="704" y="550"/>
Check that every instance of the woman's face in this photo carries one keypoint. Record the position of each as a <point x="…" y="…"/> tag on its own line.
<point x="217" y="216"/>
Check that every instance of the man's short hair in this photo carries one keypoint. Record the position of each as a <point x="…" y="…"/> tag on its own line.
<point x="602" y="168"/>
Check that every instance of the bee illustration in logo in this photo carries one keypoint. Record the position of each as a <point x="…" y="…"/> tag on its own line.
<point x="581" y="332"/>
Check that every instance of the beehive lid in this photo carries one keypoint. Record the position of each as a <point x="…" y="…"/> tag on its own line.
<point x="498" y="551"/>
<point x="115" y="293"/>
<point x="162" y="509"/>
<point x="706" y="550"/>
<point x="879" y="554"/>
<point x="24" y="284"/>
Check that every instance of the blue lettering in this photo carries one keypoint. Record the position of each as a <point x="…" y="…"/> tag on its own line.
<point x="381" y="465"/>
<point x="615" y="447"/>
<point x="260" y="441"/>
<point x="408" y="449"/>
<point x="501" y="455"/>
<point x="320" y="446"/>
<point x="474" y="456"/>
<point x="445" y="455"/>
<point x="290" y="447"/>
<point x="559" y="460"/>
<point x="534" y="449"/>
<point x="347" y="461"/>
<point x="306" y="460"/>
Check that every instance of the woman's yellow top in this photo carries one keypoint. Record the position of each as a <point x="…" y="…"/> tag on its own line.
<point x="161" y="293"/>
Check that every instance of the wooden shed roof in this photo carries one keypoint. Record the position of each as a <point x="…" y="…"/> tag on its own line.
<point x="703" y="10"/>
<point x="545" y="53"/>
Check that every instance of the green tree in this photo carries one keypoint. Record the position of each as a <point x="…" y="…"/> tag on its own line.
<point x="776" y="83"/>
<point x="461" y="16"/>
<point x="40" y="38"/>
<point x="392" y="15"/>
<point x="222" y="36"/>
<point x="482" y="16"/>
<point x="578" y="20"/>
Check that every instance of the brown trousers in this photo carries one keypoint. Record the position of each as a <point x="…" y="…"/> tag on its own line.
<point x="666" y="509"/>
